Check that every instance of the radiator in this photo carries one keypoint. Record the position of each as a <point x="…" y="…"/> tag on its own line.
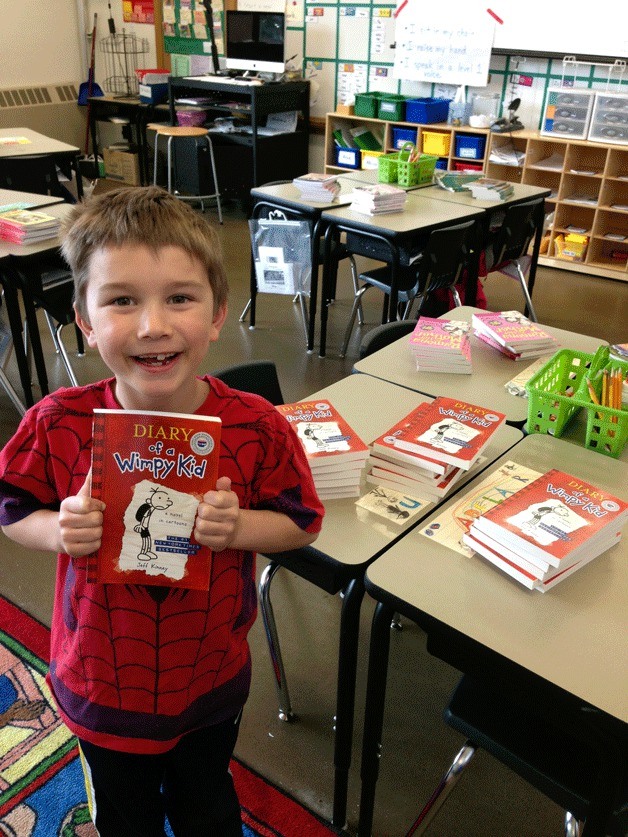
<point x="51" y="110"/>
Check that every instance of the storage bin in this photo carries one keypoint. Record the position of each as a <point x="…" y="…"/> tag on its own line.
<point x="348" y="158"/>
<point x="370" y="159"/>
<point x="571" y="247"/>
<point x="366" y="104"/>
<point x="427" y="110"/>
<point x="402" y="135"/>
<point x="441" y="164"/>
<point x="466" y="166"/>
<point x="391" y="107"/>
<point x="555" y="396"/>
<point x="416" y="173"/>
<point x="470" y="146"/>
<point x="436" y="143"/>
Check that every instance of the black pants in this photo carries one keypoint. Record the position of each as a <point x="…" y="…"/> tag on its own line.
<point x="130" y="795"/>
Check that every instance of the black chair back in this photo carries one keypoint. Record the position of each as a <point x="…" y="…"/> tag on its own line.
<point x="445" y="257"/>
<point x="36" y="173"/>
<point x="257" y="376"/>
<point x="383" y="335"/>
<point x="514" y="236"/>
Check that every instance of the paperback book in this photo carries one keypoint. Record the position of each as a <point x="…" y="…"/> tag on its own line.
<point x="448" y="431"/>
<point x="512" y="332"/>
<point x="377" y="199"/>
<point x="26" y="226"/>
<point x="441" y="345"/>
<point x="456" y="519"/>
<point x="490" y="189"/>
<point x="555" y="522"/>
<point x="334" y="450"/>
<point x="151" y="470"/>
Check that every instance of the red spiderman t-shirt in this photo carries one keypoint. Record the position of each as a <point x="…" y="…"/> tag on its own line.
<point x="134" y="668"/>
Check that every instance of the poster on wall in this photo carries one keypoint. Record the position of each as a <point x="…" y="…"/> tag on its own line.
<point x="439" y="45"/>
<point x="138" y="11"/>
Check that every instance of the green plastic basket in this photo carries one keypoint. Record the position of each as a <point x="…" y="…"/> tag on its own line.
<point x="388" y="164"/>
<point x="418" y="172"/>
<point x="366" y="104"/>
<point x="555" y="395"/>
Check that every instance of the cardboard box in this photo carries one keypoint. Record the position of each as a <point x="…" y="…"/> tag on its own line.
<point x="103" y="184"/>
<point x="122" y="165"/>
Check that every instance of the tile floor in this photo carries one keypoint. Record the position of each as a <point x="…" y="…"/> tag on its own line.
<point x="490" y="801"/>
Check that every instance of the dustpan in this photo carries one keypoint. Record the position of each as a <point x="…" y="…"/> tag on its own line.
<point x="90" y="88"/>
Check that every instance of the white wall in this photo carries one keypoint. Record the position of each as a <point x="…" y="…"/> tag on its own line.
<point x="40" y="41"/>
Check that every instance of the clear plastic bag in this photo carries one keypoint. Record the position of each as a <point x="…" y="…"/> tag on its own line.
<point x="282" y="251"/>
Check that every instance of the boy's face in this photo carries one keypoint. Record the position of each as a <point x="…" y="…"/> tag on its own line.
<point x="151" y="317"/>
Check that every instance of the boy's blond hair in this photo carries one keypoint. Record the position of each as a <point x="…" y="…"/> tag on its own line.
<point x="147" y="216"/>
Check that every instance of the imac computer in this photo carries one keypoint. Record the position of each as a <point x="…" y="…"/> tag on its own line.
<point x="255" y="42"/>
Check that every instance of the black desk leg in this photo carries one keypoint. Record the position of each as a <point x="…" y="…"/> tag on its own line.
<point x="345" y="699"/>
<point x="311" y="326"/>
<point x="473" y="270"/>
<point x="15" y="323"/>
<point x="328" y="240"/>
<point x="536" y="249"/>
<point x="374" y="714"/>
<point x="34" y="338"/>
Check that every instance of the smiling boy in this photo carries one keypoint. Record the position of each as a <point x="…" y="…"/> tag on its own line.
<point x="152" y="680"/>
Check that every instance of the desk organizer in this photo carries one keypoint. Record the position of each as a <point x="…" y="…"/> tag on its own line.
<point x="557" y="392"/>
<point x="397" y="168"/>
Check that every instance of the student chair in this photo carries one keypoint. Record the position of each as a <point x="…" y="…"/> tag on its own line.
<point x="47" y="284"/>
<point x="577" y="760"/>
<point x="36" y="173"/>
<point x="439" y="265"/>
<point x="260" y="377"/>
<point x="383" y="335"/>
<point x="175" y="132"/>
<point x="266" y="208"/>
<point x="507" y="253"/>
<point x="6" y="344"/>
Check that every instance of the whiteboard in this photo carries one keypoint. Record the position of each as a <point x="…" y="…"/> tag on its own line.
<point x="556" y="29"/>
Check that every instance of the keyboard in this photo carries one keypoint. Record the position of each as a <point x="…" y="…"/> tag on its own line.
<point x="231" y="82"/>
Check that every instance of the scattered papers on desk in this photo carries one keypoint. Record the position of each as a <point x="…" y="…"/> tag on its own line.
<point x="490" y="189"/>
<point x="335" y="452"/>
<point x="378" y="199"/>
<point x="441" y="345"/>
<point x="394" y="505"/>
<point x="25" y="226"/>
<point x="317" y="187"/>
<point x="512" y="334"/>
<point x="454" y="181"/>
<point x="449" y="526"/>
<point x="517" y="385"/>
<point x="549" y="529"/>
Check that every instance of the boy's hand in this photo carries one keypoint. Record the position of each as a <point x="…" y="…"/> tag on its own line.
<point x="217" y="517"/>
<point x="80" y="522"/>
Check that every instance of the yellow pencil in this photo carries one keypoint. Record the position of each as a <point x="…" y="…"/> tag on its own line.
<point x="605" y="388"/>
<point x="592" y="394"/>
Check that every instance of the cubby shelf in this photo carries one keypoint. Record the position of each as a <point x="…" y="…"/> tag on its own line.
<point x="588" y="181"/>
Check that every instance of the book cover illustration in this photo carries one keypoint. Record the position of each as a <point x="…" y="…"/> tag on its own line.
<point x="439" y="333"/>
<point x="151" y="470"/>
<point x="28" y="218"/>
<point x="511" y="329"/>
<point x="448" y="430"/>
<point x="556" y="520"/>
<point x="324" y="433"/>
<point x="393" y="505"/>
<point x="450" y="525"/>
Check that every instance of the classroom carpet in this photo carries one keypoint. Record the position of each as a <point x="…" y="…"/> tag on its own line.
<point x="41" y="782"/>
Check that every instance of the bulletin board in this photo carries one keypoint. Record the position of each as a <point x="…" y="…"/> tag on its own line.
<point x="185" y="27"/>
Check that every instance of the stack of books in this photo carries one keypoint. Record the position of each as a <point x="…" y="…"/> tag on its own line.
<point x="512" y="334"/>
<point x="430" y="449"/>
<point x="319" y="188"/>
<point x="441" y="345"/>
<point x="549" y="529"/>
<point x="334" y="450"/>
<point x="377" y="199"/>
<point x="490" y="189"/>
<point x="26" y="226"/>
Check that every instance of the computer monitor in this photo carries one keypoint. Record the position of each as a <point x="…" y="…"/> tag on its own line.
<point x="255" y="41"/>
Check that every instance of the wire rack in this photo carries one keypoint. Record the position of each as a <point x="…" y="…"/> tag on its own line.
<point x="123" y="53"/>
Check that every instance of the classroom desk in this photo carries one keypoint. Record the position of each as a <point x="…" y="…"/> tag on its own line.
<point x="286" y="198"/>
<point x="138" y="113"/>
<point x="12" y="256"/>
<point x="10" y="196"/>
<point x="491" y="369"/>
<point x="349" y="540"/>
<point x="563" y="647"/>
<point x="391" y="234"/>
<point x="66" y="156"/>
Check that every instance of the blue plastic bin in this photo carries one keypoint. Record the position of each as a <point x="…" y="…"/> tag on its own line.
<point x="470" y="147"/>
<point x="348" y="158"/>
<point x="427" y="110"/>
<point x="403" y="135"/>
